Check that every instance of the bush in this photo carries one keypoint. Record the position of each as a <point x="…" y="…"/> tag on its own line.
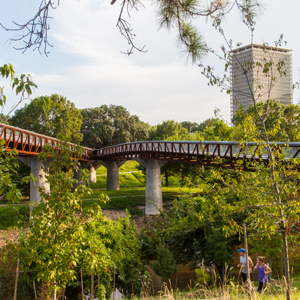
<point x="203" y="278"/>
<point x="136" y="212"/>
<point x="164" y="265"/>
<point x="11" y="215"/>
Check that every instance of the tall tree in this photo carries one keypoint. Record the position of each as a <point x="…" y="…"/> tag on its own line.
<point x="167" y="129"/>
<point x="65" y="238"/>
<point x="218" y="130"/>
<point x="60" y="117"/>
<point x="110" y="125"/>
<point x="270" y="194"/>
<point x="190" y="126"/>
<point x="282" y="121"/>
<point x="206" y="123"/>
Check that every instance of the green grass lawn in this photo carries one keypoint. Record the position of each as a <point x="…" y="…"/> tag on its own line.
<point x="129" y="166"/>
<point x="134" y="179"/>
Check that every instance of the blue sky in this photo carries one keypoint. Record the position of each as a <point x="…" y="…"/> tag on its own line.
<point x="86" y="65"/>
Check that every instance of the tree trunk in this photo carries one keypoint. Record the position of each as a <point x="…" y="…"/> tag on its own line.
<point x="82" y="293"/>
<point x="167" y="178"/>
<point x="92" y="285"/>
<point x="17" y="276"/>
<point x="247" y="262"/>
<point x="286" y="263"/>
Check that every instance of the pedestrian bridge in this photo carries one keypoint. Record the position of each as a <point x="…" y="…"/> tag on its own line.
<point x="150" y="154"/>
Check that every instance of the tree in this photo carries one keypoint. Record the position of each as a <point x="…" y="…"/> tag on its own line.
<point x="218" y="130"/>
<point x="164" y="265"/>
<point x="167" y="129"/>
<point x="60" y="117"/>
<point x="63" y="238"/>
<point x="282" y="121"/>
<point x="23" y="86"/>
<point x="206" y="123"/>
<point x="110" y="125"/>
<point x="191" y="239"/>
<point x="270" y="194"/>
<point x="190" y="126"/>
<point x="178" y="15"/>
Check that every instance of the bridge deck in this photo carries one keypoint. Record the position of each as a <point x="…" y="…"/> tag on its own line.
<point x="29" y="143"/>
<point x="196" y="152"/>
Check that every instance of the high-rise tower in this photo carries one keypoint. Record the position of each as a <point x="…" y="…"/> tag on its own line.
<point x="248" y="78"/>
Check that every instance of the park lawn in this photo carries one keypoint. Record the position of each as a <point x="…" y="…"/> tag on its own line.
<point x="181" y="190"/>
<point x="134" y="179"/>
<point x="129" y="166"/>
<point x="118" y="203"/>
<point x="130" y="179"/>
<point x="125" y="192"/>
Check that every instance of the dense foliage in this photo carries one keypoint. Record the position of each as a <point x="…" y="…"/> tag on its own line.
<point x="60" y="117"/>
<point x="62" y="239"/>
<point x="110" y="125"/>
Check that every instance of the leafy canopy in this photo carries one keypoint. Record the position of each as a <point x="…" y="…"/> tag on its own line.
<point x="110" y="125"/>
<point x="60" y="117"/>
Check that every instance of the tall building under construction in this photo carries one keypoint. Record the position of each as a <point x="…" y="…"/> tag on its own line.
<point x="248" y="79"/>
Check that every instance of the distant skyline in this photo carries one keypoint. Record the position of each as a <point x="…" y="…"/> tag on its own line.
<point x="86" y="65"/>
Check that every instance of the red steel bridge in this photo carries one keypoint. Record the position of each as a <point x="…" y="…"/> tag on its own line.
<point x="151" y="154"/>
<point x="196" y="152"/>
<point x="29" y="143"/>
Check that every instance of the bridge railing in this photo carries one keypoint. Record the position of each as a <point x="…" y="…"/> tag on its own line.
<point x="31" y="143"/>
<point x="189" y="150"/>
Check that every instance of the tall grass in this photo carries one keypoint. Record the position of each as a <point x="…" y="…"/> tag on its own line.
<point x="229" y="291"/>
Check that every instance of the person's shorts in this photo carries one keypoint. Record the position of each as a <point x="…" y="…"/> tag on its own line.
<point x="245" y="276"/>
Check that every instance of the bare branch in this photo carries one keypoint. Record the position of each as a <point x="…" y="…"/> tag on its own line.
<point x="34" y="33"/>
<point x="125" y="28"/>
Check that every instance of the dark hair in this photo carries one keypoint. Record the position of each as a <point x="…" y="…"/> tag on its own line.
<point x="261" y="258"/>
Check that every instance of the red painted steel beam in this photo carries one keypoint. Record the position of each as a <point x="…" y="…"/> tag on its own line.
<point x="192" y="152"/>
<point x="29" y="143"/>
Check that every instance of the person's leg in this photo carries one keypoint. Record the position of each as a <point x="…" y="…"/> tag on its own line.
<point x="259" y="289"/>
<point x="244" y="277"/>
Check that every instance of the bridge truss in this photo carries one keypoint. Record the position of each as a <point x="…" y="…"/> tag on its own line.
<point x="29" y="143"/>
<point x="208" y="153"/>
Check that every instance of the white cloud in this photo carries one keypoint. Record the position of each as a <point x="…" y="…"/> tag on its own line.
<point x="87" y="67"/>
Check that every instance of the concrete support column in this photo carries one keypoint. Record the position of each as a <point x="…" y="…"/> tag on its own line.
<point x="37" y="169"/>
<point x="153" y="198"/>
<point x="93" y="175"/>
<point x="112" y="174"/>
<point x="77" y="172"/>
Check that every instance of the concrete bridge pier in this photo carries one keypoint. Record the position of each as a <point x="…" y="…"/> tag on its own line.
<point x="77" y="172"/>
<point x="153" y="198"/>
<point x="93" y="175"/>
<point x="37" y="169"/>
<point x="112" y="174"/>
